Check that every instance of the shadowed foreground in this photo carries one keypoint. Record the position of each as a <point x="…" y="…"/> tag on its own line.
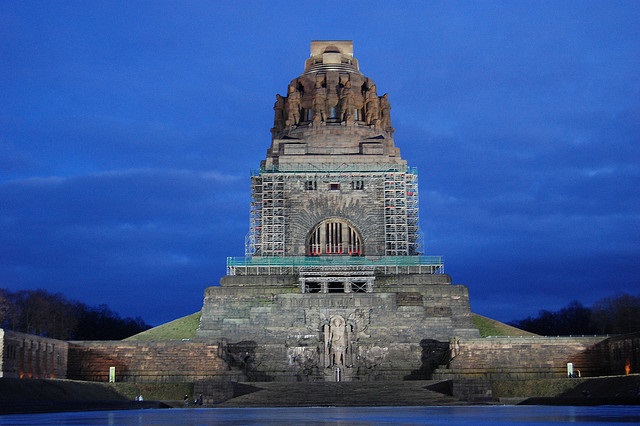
<point x="41" y="395"/>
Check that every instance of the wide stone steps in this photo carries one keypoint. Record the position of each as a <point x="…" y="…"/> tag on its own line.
<point x="313" y="394"/>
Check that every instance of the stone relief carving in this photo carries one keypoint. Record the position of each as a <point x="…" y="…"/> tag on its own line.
<point x="371" y="357"/>
<point x="337" y="334"/>
<point x="303" y="358"/>
<point x="361" y="319"/>
<point x="314" y="320"/>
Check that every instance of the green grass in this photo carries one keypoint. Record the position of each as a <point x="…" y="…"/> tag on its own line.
<point x="489" y="327"/>
<point x="179" y="329"/>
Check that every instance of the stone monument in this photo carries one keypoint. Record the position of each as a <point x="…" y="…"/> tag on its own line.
<point x="333" y="285"/>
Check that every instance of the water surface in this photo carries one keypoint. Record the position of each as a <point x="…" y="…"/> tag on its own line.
<point x="450" y="416"/>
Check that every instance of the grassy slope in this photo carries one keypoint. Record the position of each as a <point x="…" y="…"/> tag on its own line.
<point x="179" y="329"/>
<point x="185" y="328"/>
<point x="489" y="327"/>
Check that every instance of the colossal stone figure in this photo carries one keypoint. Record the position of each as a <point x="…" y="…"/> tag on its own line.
<point x="319" y="104"/>
<point x="278" y="107"/>
<point x="372" y="107"/>
<point x="293" y="106"/>
<point x="347" y="102"/>
<point x="385" y="112"/>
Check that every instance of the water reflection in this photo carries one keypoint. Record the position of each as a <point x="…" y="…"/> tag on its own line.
<point x="456" y="415"/>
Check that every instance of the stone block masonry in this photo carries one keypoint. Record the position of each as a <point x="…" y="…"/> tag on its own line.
<point x="283" y="334"/>
<point x="26" y="356"/>
<point x="157" y="362"/>
<point x="476" y="363"/>
<point x="522" y="357"/>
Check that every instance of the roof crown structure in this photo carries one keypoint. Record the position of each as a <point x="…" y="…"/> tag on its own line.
<point x="333" y="113"/>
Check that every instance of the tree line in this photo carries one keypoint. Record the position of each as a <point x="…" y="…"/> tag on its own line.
<point x="53" y="315"/>
<point x="618" y="314"/>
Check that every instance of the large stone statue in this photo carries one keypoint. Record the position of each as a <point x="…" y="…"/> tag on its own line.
<point x="278" y="108"/>
<point x="293" y="106"/>
<point x="372" y="107"/>
<point x="347" y="103"/>
<point x="319" y="104"/>
<point x="337" y="341"/>
<point x="385" y="112"/>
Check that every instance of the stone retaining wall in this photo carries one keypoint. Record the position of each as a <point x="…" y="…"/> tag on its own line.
<point x="622" y="354"/>
<point x="524" y="357"/>
<point x="167" y="361"/>
<point x="26" y="356"/>
<point x="475" y="363"/>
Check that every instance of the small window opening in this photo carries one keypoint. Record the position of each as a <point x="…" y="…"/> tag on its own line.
<point x="311" y="185"/>
<point x="358" y="185"/>
<point x="333" y="186"/>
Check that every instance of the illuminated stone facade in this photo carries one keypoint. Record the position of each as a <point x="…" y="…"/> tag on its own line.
<point x="333" y="285"/>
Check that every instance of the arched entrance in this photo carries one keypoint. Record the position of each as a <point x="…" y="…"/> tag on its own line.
<point x="334" y="237"/>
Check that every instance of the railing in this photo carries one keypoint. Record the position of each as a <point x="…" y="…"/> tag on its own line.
<point x="277" y="265"/>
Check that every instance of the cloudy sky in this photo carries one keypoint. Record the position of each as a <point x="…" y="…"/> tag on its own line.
<point x="128" y="130"/>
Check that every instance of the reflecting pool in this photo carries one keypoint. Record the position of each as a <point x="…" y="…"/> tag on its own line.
<point x="456" y="415"/>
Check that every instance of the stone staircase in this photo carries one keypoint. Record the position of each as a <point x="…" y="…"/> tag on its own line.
<point x="314" y="394"/>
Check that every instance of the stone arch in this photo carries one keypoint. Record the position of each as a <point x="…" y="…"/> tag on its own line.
<point x="331" y="49"/>
<point x="334" y="236"/>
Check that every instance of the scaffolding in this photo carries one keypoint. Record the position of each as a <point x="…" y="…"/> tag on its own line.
<point x="413" y="227"/>
<point x="293" y="265"/>
<point x="267" y="216"/>
<point x="401" y="213"/>
<point x="251" y="243"/>
<point x="267" y="229"/>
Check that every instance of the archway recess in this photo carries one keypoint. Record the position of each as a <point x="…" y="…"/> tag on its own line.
<point x="334" y="236"/>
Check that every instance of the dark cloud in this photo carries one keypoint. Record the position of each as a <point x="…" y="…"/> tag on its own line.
<point x="142" y="231"/>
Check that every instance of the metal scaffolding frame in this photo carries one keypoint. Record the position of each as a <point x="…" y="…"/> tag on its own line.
<point x="267" y="219"/>
<point x="401" y="213"/>
<point x="268" y="216"/>
<point x="330" y="265"/>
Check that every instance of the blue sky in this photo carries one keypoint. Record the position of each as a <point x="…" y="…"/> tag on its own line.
<point x="128" y="131"/>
